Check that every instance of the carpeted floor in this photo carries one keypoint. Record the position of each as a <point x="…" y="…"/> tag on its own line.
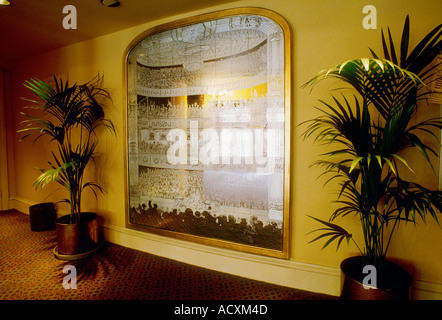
<point x="29" y="271"/>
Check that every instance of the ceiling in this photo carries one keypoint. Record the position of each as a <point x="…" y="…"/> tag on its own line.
<point x="31" y="27"/>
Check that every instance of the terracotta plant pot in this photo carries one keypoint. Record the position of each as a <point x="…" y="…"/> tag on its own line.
<point x="393" y="284"/>
<point x="77" y="239"/>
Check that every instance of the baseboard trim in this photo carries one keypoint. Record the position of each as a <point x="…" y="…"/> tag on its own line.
<point x="320" y="279"/>
<point x="22" y="205"/>
<point x="311" y="277"/>
<point x="425" y="290"/>
<point x="289" y="273"/>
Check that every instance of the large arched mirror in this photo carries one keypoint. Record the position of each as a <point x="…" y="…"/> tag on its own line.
<point x="208" y="131"/>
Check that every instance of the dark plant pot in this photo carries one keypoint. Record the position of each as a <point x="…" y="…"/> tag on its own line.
<point x="393" y="284"/>
<point x="42" y="216"/>
<point x="77" y="239"/>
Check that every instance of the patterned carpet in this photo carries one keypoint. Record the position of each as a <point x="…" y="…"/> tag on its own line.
<point x="29" y="271"/>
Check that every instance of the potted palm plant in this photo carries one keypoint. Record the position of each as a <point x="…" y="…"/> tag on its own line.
<point x="71" y="116"/>
<point x="368" y="134"/>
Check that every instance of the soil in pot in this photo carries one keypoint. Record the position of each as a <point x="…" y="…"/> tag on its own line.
<point x="393" y="283"/>
<point x="77" y="238"/>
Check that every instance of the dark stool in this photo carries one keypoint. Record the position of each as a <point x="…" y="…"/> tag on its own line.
<point x="42" y="216"/>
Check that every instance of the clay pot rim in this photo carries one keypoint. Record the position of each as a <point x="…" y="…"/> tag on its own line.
<point x="350" y="262"/>
<point x="85" y="217"/>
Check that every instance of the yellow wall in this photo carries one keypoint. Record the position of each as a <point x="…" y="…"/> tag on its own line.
<point x="324" y="33"/>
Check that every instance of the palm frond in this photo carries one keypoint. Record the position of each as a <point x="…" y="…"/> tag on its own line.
<point x="74" y="112"/>
<point x="51" y="175"/>
<point x="368" y="135"/>
<point x="333" y="231"/>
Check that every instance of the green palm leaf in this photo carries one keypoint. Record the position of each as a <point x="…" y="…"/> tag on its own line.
<point x="73" y="113"/>
<point x="334" y="232"/>
<point x="367" y="137"/>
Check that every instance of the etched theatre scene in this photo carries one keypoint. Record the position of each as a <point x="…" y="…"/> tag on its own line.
<point x="206" y="131"/>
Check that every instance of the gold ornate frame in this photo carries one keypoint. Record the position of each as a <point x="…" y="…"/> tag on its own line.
<point x="238" y="16"/>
